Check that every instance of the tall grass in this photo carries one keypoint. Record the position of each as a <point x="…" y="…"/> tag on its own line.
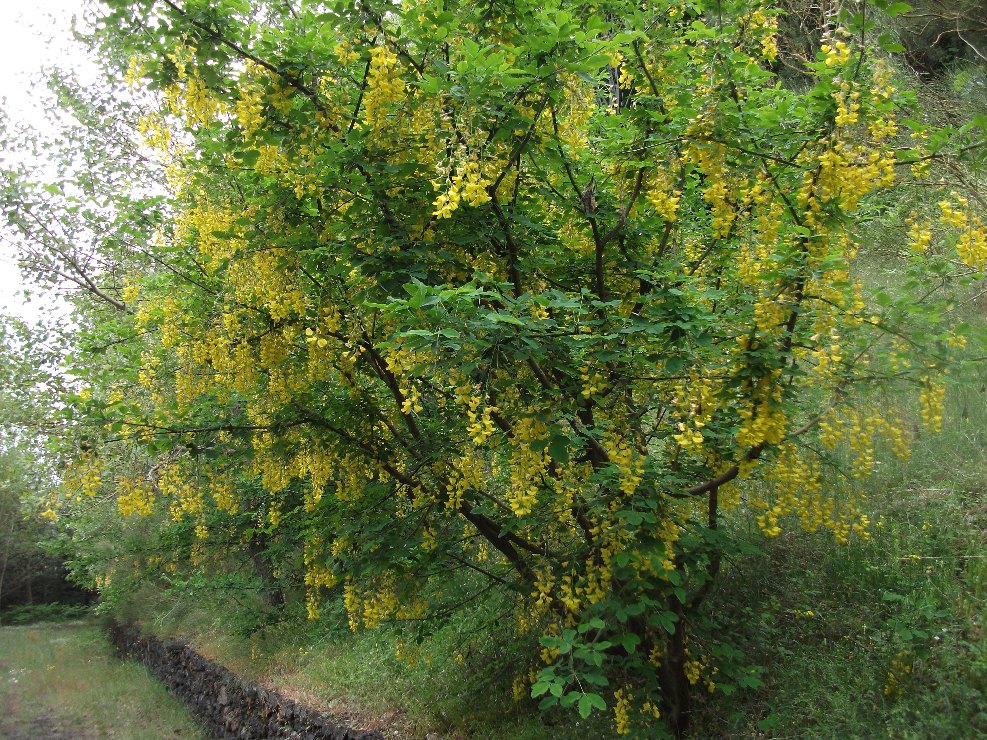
<point x="882" y="637"/>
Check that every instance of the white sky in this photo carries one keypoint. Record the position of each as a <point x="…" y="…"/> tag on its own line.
<point x="33" y="34"/>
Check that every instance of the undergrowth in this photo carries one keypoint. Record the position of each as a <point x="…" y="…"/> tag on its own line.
<point x="884" y="636"/>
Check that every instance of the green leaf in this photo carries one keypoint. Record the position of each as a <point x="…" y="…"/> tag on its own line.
<point x="896" y="9"/>
<point x="771" y="722"/>
<point x="629" y="642"/>
<point x="558" y="448"/>
<point x="249" y="157"/>
<point x="589" y="702"/>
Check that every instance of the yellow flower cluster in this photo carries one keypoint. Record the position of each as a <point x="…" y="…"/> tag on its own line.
<point x="763" y="418"/>
<point x="345" y="52"/>
<point x="574" y="116"/>
<point x="711" y="159"/>
<point x="465" y="473"/>
<point x="574" y="236"/>
<point x="268" y="278"/>
<point x="351" y="601"/>
<point x="931" y="400"/>
<point x="249" y="107"/>
<point x="599" y="571"/>
<point x="766" y="28"/>
<point x="189" y="98"/>
<point x="693" y="670"/>
<point x="542" y="595"/>
<point x="519" y="687"/>
<point x="881" y="128"/>
<point x="221" y="489"/>
<point x="203" y="222"/>
<point x="274" y="473"/>
<point x="847" y="105"/>
<point x="900" y="669"/>
<point x="317" y="575"/>
<point x="481" y="425"/>
<point x="593" y="382"/>
<point x="859" y="428"/>
<point x="412" y="402"/>
<point x="186" y="497"/>
<point x="402" y="360"/>
<point x="828" y="355"/>
<point x="83" y="476"/>
<point x="755" y="258"/>
<point x="526" y="465"/>
<point x="846" y="174"/>
<point x="630" y="464"/>
<point x="622" y="710"/>
<point x="695" y="402"/>
<point x="971" y="245"/>
<point x="135" y="73"/>
<point x="281" y="98"/>
<point x="135" y="497"/>
<point x="796" y="487"/>
<point x="919" y="235"/>
<point x="353" y="473"/>
<point x="194" y="102"/>
<point x="663" y="196"/>
<point x="384" y="87"/>
<point x="837" y="53"/>
<point x="378" y="601"/>
<point x="318" y="465"/>
<point x="668" y="533"/>
<point x="155" y="133"/>
<point x="467" y="184"/>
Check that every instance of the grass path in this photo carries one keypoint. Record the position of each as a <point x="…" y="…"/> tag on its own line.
<point x="63" y="681"/>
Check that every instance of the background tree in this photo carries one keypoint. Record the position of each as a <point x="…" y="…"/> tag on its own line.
<point x="30" y="571"/>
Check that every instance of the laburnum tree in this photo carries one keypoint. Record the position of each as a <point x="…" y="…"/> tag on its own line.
<point x="542" y="291"/>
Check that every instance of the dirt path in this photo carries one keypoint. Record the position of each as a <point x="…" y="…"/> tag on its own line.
<point x="41" y="726"/>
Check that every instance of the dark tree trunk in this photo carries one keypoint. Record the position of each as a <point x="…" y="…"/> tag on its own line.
<point x="675" y="686"/>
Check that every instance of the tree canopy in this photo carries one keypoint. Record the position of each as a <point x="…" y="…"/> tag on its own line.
<point x="539" y="292"/>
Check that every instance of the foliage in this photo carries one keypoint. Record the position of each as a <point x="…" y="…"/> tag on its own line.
<point x="932" y="35"/>
<point x="884" y="636"/>
<point x="21" y="558"/>
<point x="29" y="356"/>
<point x="29" y="571"/>
<point x="538" y="292"/>
<point x="49" y="612"/>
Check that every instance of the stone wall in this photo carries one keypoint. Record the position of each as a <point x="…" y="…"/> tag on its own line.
<point x="227" y="706"/>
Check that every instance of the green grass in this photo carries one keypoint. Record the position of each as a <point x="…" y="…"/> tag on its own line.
<point x="63" y="680"/>
<point x="909" y="601"/>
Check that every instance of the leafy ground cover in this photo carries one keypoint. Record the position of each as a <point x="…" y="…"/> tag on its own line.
<point x="63" y="681"/>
